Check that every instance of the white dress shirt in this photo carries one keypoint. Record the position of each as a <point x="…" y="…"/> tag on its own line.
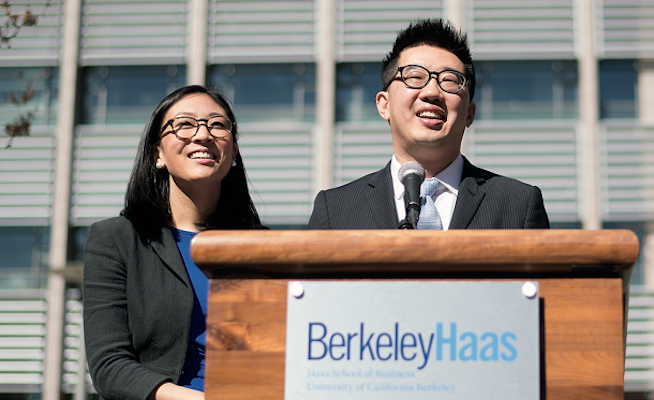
<point x="445" y="196"/>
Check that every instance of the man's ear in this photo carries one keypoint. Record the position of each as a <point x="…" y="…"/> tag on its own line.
<point x="382" y="104"/>
<point x="472" y="109"/>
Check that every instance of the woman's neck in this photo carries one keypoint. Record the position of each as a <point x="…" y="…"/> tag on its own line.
<point x="189" y="209"/>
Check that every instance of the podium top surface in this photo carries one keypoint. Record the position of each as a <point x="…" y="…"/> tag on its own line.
<point x="414" y="251"/>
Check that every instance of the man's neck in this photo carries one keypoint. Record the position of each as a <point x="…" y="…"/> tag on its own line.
<point x="433" y="166"/>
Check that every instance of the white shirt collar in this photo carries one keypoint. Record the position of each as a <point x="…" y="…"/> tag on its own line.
<point x="450" y="177"/>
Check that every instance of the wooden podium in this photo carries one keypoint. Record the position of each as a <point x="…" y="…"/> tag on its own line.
<point x="583" y="285"/>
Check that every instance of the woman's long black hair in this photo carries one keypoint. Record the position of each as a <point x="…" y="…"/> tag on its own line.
<point x="147" y="202"/>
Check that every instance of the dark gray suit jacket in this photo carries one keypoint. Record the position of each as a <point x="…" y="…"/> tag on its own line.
<point x="138" y="302"/>
<point x="485" y="201"/>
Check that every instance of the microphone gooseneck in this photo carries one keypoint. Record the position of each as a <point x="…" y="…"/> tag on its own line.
<point x="411" y="174"/>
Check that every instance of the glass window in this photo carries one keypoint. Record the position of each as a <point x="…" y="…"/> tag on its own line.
<point x="24" y="263"/>
<point x="509" y="90"/>
<point x="127" y="94"/>
<point x="25" y="91"/>
<point x="356" y="87"/>
<point x="78" y="240"/>
<point x="268" y="92"/>
<point x="618" y="81"/>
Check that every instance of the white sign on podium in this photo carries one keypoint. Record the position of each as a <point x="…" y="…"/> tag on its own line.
<point x="412" y="340"/>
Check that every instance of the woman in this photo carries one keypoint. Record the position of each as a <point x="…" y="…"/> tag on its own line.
<point x="144" y="298"/>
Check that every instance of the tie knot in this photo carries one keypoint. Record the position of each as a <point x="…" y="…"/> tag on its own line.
<point x="428" y="187"/>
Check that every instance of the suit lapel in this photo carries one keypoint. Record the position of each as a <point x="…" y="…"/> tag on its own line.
<point x="381" y="199"/>
<point x="471" y="194"/>
<point x="167" y="250"/>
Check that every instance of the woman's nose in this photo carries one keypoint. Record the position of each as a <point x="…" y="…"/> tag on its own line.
<point x="202" y="134"/>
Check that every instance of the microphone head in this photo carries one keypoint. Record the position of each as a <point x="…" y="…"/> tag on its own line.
<point x="409" y="168"/>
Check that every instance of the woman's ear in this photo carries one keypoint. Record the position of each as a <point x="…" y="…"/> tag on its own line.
<point x="159" y="162"/>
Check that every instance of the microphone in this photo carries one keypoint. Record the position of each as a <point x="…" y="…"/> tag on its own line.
<point x="411" y="175"/>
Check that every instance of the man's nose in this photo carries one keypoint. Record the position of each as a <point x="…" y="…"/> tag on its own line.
<point x="432" y="89"/>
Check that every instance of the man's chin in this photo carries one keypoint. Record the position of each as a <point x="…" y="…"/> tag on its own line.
<point x="431" y="138"/>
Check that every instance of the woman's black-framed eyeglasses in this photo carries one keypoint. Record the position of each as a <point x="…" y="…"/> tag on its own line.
<point x="219" y="126"/>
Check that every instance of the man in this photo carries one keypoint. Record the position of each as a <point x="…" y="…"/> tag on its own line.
<point x="428" y="83"/>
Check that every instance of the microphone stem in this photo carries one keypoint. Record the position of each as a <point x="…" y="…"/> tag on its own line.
<point x="412" y="215"/>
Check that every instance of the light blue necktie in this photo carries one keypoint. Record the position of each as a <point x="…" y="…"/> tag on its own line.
<point x="429" y="217"/>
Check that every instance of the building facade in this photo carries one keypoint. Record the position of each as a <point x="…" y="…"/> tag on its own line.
<point x="565" y="101"/>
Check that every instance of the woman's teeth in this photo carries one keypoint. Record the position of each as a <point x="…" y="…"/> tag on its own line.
<point x="202" y="154"/>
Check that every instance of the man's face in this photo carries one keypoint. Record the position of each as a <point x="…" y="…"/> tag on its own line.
<point x="426" y="122"/>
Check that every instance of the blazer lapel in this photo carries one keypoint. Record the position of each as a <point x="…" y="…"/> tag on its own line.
<point x="167" y="250"/>
<point x="471" y="194"/>
<point x="381" y="200"/>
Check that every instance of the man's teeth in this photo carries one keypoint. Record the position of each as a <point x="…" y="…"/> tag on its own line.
<point x="430" y="114"/>
<point x="202" y="154"/>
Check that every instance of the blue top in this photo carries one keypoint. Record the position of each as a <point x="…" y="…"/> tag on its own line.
<point x="193" y="371"/>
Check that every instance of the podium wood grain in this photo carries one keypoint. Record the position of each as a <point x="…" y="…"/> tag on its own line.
<point x="246" y="339"/>
<point x="583" y="331"/>
<point x="364" y="251"/>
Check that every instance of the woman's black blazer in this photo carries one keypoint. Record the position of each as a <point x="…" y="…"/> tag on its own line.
<point x="137" y="309"/>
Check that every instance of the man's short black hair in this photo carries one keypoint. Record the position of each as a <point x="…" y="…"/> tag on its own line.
<point x="431" y="32"/>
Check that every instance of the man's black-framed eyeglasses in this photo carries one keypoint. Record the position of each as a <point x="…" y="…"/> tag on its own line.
<point x="417" y="77"/>
<point x="219" y="126"/>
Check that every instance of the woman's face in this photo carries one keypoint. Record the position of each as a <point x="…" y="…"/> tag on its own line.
<point x="201" y="161"/>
